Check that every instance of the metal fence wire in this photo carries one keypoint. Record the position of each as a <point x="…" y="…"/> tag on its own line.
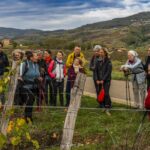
<point x="125" y="129"/>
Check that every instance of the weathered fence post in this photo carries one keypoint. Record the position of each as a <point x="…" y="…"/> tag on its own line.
<point x="10" y="97"/>
<point x="74" y="106"/>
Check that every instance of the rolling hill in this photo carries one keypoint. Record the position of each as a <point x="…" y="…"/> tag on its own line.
<point x="112" y="33"/>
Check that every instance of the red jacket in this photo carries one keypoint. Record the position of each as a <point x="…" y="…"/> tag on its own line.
<point x="52" y="69"/>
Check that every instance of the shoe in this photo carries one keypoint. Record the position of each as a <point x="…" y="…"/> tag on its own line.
<point x="108" y="113"/>
<point x="103" y="110"/>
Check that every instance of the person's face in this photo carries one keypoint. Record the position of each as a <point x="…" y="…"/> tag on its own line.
<point x="35" y="57"/>
<point x="96" y="53"/>
<point x="46" y="54"/>
<point x="148" y="52"/>
<point x="77" y="50"/>
<point x="17" y="56"/>
<point x="101" y="53"/>
<point x="59" y="56"/>
<point x="39" y="56"/>
<point x="76" y="62"/>
<point x="130" y="57"/>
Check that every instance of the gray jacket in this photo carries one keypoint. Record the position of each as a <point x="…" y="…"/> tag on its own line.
<point x="137" y="70"/>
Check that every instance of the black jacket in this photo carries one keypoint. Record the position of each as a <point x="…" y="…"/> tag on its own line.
<point x="93" y="65"/>
<point x="103" y="70"/>
<point x="3" y="62"/>
<point x="147" y="63"/>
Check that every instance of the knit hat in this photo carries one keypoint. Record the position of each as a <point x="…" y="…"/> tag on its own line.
<point x="134" y="53"/>
<point x="97" y="48"/>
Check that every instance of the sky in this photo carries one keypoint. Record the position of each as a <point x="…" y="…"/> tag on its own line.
<point x="65" y="14"/>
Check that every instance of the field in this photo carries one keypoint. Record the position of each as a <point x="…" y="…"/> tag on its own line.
<point x="94" y="129"/>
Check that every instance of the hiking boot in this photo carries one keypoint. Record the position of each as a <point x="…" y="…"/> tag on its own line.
<point x="108" y="113"/>
<point x="103" y="110"/>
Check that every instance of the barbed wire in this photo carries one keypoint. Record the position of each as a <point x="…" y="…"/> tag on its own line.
<point x="81" y="108"/>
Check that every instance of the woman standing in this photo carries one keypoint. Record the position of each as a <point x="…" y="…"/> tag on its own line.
<point x="93" y="62"/>
<point x="29" y="75"/>
<point x="57" y="72"/>
<point x="103" y="77"/>
<point x="49" y="90"/>
<point x="135" y="66"/>
<point x="72" y="73"/>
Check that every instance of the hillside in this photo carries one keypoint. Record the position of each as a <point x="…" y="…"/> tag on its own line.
<point x="112" y="33"/>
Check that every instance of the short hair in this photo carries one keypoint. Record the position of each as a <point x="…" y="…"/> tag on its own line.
<point x="97" y="48"/>
<point x="29" y="54"/>
<point x="61" y="52"/>
<point x="1" y="44"/>
<point x="48" y="51"/>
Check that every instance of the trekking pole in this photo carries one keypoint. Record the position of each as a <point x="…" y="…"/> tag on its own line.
<point x="126" y="89"/>
<point x="139" y="128"/>
<point x="129" y="96"/>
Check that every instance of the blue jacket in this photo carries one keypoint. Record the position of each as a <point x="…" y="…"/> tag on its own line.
<point x="29" y="71"/>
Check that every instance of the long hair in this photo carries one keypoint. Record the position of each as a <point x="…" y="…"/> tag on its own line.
<point x="105" y="50"/>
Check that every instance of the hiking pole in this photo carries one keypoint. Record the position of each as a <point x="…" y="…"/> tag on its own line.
<point x="128" y="87"/>
<point x="127" y="90"/>
<point x="139" y="128"/>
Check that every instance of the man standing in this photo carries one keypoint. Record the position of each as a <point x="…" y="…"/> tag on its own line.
<point x="3" y="67"/>
<point x="93" y="62"/>
<point x="75" y="54"/>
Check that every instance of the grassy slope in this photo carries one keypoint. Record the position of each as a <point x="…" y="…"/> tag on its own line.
<point x="91" y="125"/>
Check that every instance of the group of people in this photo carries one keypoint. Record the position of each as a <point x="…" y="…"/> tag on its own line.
<point x="42" y="76"/>
<point x="134" y="68"/>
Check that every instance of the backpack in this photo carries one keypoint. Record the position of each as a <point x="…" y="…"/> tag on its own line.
<point x="26" y="67"/>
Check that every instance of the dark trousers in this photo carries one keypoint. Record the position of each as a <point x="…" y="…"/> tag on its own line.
<point x="97" y="87"/>
<point x="107" y="100"/>
<point x="49" y="92"/>
<point x="68" y="92"/>
<point x="58" y="88"/>
<point x="29" y="95"/>
<point x="19" y="94"/>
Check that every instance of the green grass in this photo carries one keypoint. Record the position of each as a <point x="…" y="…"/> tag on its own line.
<point x="94" y="129"/>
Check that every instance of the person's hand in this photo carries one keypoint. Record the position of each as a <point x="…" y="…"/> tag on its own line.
<point x="20" y="78"/>
<point x="80" y="67"/>
<point x="101" y="82"/>
<point x="40" y="79"/>
<point x="98" y="82"/>
<point x="125" y="69"/>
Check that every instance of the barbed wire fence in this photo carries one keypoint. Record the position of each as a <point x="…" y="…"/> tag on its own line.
<point x="124" y="129"/>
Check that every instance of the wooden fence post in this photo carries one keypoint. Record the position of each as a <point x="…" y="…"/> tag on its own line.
<point x="71" y="116"/>
<point x="10" y="97"/>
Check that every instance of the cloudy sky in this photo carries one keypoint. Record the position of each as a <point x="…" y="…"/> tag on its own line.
<point x="65" y="14"/>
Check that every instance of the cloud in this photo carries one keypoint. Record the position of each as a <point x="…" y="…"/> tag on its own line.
<point x="52" y="15"/>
